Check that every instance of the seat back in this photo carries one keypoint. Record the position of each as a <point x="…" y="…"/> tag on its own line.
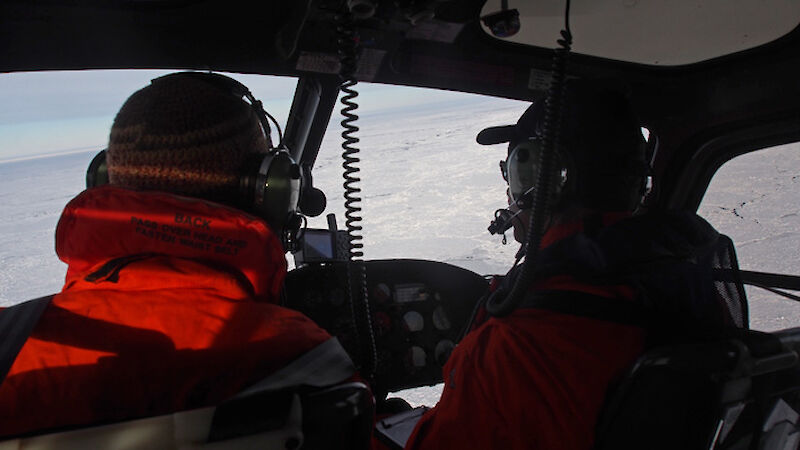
<point x="729" y="289"/>
<point x="311" y="402"/>
<point x="338" y="417"/>
<point x="737" y="392"/>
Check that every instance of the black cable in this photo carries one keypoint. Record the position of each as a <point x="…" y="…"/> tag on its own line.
<point x="347" y="44"/>
<point x="263" y="115"/>
<point x="545" y="179"/>
<point x="277" y="127"/>
<point x="348" y="51"/>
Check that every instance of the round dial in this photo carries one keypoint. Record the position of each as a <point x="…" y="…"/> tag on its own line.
<point x="382" y="293"/>
<point x="416" y="357"/>
<point x="413" y="321"/>
<point x="440" y="320"/>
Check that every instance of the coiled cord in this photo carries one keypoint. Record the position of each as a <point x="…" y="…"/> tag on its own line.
<point x="348" y="49"/>
<point x="542" y="194"/>
<point x="347" y="44"/>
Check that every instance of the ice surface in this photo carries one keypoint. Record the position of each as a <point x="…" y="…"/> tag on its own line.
<point x="755" y="199"/>
<point x="429" y="189"/>
<point x="32" y="194"/>
<point x="429" y="192"/>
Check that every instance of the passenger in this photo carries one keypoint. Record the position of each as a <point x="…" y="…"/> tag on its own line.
<point x="538" y="377"/>
<point x="170" y="296"/>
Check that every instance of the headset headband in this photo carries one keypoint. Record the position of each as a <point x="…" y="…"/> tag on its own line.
<point x="238" y="90"/>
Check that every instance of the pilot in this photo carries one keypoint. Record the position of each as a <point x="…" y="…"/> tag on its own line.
<point x="537" y="376"/>
<point x="170" y="299"/>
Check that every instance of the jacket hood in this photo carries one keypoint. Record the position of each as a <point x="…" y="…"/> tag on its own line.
<point x="107" y="223"/>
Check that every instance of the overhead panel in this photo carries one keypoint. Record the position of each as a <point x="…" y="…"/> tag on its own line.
<point x="654" y="32"/>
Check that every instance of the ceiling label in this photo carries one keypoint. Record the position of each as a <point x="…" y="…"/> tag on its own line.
<point x="434" y="30"/>
<point x="368" y="65"/>
<point x="539" y="80"/>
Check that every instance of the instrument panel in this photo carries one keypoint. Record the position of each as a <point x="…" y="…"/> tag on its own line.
<point x="417" y="313"/>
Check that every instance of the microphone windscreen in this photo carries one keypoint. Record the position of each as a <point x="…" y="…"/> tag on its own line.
<point x="501" y="223"/>
<point x="313" y="202"/>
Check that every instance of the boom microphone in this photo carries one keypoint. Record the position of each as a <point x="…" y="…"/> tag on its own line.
<point x="503" y="217"/>
<point x="502" y="221"/>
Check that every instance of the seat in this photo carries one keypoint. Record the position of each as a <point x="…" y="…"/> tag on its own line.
<point x="741" y="391"/>
<point x="303" y="405"/>
<point x="339" y="417"/>
<point x="721" y="386"/>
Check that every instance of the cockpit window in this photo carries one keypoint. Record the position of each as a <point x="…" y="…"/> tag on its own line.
<point x="429" y="190"/>
<point x="754" y="199"/>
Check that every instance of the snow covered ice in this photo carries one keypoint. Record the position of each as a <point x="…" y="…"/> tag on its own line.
<point x="429" y="192"/>
<point x="755" y="199"/>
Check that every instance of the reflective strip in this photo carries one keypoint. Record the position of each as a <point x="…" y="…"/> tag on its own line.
<point x="325" y="365"/>
<point x="16" y="325"/>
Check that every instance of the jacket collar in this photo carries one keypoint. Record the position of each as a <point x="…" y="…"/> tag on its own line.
<point x="109" y="222"/>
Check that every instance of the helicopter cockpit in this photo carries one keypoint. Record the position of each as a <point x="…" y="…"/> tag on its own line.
<point x="391" y="255"/>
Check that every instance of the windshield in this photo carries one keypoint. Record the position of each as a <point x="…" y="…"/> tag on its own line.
<point x="429" y="190"/>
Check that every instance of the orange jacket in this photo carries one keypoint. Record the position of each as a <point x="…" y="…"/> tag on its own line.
<point x="168" y="305"/>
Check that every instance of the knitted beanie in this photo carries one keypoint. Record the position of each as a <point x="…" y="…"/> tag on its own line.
<point x="184" y="135"/>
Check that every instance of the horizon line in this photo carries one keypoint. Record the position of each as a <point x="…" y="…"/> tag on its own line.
<point x="69" y="151"/>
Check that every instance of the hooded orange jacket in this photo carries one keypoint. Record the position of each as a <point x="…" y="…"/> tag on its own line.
<point x="168" y="305"/>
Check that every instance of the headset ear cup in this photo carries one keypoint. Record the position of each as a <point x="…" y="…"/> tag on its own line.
<point x="97" y="173"/>
<point x="247" y="182"/>
<point x="271" y="185"/>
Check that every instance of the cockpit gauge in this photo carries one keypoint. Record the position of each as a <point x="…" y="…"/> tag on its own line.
<point x="417" y="310"/>
<point x="382" y="293"/>
<point x="440" y="320"/>
<point x="416" y="357"/>
<point x="411" y="292"/>
<point x="413" y="321"/>
<point x="382" y="323"/>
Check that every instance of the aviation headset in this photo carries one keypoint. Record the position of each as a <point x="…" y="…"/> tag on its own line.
<point x="270" y="183"/>
<point x="520" y="170"/>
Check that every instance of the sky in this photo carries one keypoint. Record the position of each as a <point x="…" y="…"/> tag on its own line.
<point x="47" y="112"/>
